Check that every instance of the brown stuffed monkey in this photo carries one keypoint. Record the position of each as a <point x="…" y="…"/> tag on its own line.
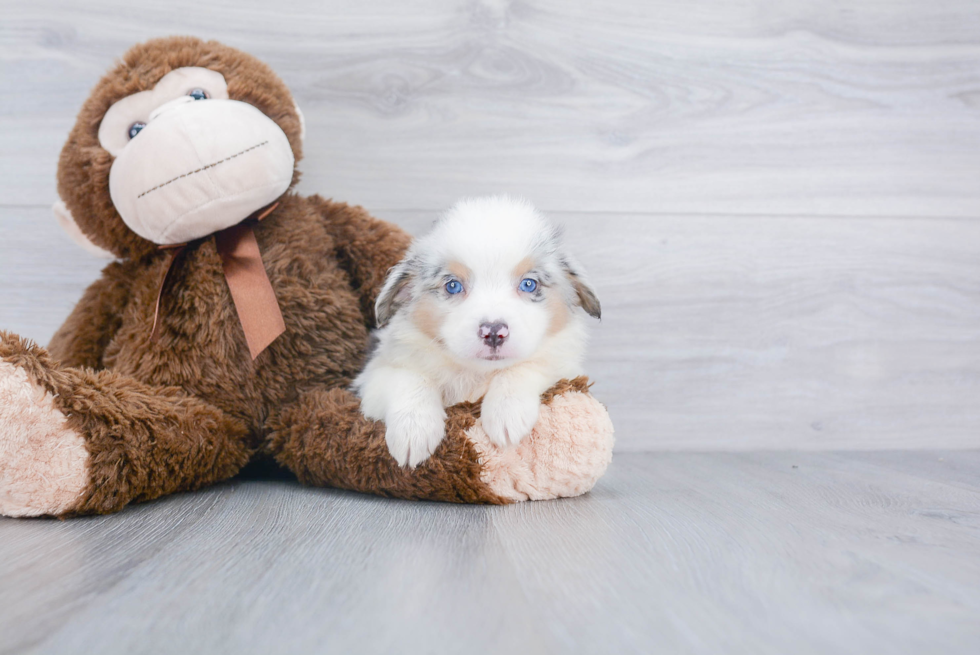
<point x="233" y="318"/>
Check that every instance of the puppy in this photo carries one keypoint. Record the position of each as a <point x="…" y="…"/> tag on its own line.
<point x="486" y="305"/>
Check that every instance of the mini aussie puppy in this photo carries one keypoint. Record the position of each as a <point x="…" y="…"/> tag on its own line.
<point x="486" y="305"/>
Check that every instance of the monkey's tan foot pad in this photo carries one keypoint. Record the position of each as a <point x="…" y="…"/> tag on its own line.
<point x="44" y="464"/>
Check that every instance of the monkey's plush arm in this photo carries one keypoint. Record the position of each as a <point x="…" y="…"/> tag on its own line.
<point x="366" y="248"/>
<point x="82" y="339"/>
<point x="326" y="441"/>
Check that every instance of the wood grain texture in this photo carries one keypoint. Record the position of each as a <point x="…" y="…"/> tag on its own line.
<point x="674" y="553"/>
<point x="737" y="333"/>
<point x="718" y="333"/>
<point x="793" y="108"/>
<point x="778" y="201"/>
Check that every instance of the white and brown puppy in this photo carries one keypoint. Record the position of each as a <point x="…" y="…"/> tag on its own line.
<point x="487" y="304"/>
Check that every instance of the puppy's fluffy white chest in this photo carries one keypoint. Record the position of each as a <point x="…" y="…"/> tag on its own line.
<point x="468" y="386"/>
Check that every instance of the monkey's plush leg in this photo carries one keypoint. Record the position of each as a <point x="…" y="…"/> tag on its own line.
<point x="326" y="441"/>
<point x="78" y="441"/>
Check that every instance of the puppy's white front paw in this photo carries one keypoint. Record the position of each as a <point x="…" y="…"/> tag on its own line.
<point x="413" y="434"/>
<point x="509" y="418"/>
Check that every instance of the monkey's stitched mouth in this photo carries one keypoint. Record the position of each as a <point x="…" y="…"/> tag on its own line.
<point x="202" y="168"/>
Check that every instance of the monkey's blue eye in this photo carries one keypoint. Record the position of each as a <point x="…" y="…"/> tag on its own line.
<point x="453" y="287"/>
<point x="135" y="128"/>
<point x="198" y="94"/>
<point x="528" y="285"/>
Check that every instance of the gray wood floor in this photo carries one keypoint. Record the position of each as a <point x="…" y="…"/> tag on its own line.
<point x="672" y="553"/>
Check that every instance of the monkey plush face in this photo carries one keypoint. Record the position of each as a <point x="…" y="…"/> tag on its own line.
<point x="182" y="139"/>
<point x="188" y="160"/>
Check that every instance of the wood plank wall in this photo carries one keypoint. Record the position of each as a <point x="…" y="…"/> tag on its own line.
<point x="779" y="201"/>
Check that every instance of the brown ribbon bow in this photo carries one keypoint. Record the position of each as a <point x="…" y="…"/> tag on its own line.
<point x="255" y="301"/>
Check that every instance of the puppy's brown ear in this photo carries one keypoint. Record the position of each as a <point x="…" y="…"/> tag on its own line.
<point x="583" y="290"/>
<point x="396" y="291"/>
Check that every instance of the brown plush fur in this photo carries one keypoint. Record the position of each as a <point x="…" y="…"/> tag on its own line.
<point x="143" y="442"/>
<point x="191" y="407"/>
<point x="200" y="345"/>
<point x="326" y="262"/>
<point x="326" y="441"/>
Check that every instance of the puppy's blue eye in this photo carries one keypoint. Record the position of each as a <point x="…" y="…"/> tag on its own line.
<point x="198" y="94"/>
<point x="135" y="128"/>
<point x="453" y="287"/>
<point x="528" y="285"/>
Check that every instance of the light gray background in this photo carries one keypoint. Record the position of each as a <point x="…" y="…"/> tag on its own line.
<point x="780" y="203"/>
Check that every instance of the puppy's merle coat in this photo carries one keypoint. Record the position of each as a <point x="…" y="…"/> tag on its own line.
<point x="486" y="305"/>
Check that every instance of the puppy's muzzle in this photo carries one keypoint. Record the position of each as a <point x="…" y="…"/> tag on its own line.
<point x="493" y="334"/>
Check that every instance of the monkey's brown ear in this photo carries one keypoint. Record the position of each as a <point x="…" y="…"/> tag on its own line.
<point x="396" y="291"/>
<point x="302" y="122"/>
<point x="586" y="295"/>
<point x="68" y="224"/>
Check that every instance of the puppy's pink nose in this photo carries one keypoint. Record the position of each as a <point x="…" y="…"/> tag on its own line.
<point x="493" y="334"/>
